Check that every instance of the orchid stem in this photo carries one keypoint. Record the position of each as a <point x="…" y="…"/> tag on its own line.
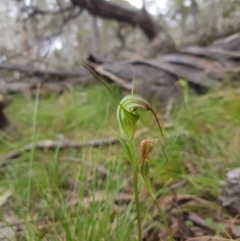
<point x="135" y="181"/>
<point x="162" y="216"/>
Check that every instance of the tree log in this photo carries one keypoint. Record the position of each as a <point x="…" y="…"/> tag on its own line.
<point x="203" y="68"/>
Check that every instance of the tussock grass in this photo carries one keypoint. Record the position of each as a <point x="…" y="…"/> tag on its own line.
<point x="201" y="140"/>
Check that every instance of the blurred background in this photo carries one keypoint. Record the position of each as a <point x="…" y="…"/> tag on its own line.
<point x="63" y="33"/>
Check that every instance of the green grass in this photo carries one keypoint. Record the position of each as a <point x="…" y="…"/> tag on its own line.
<point x="201" y="141"/>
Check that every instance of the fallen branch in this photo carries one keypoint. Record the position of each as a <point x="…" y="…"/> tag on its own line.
<point x="33" y="10"/>
<point x="204" y="37"/>
<point x="159" y="38"/>
<point x="46" y="73"/>
<point x="63" y="144"/>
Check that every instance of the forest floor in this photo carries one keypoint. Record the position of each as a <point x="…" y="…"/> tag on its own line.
<point x="86" y="193"/>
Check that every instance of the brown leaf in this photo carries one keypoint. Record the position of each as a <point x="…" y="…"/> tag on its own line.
<point x="178" y="229"/>
<point x="9" y="228"/>
<point x="233" y="231"/>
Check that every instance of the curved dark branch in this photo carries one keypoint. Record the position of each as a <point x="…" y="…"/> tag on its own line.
<point x="113" y="11"/>
<point x="155" y="32"/>
<point x="33" y="10"/>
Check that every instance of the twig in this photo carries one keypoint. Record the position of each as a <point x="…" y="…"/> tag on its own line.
<point x="64" y="144"/>
<point x="197" y="220"/>
<point x="33" y="10"/>
<point x="61" y="74"/>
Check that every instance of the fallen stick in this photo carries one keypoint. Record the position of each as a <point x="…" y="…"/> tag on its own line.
<point x="62" y="144"/>
<point x="58" y="74"/>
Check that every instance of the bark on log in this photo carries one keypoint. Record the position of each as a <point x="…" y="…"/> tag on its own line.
<point x="202" y="67"/>
<point x="204" y="38"/>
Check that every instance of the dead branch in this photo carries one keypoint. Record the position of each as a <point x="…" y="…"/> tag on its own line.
<point x="203" y="38"/>
<point x="158" y="36"/>
<point x="72" y="15"/>
<point x="63" y="144"/>
<point x="33" y="10"/>
<point x="45" y="73"/>
<point x="110" y="10"/>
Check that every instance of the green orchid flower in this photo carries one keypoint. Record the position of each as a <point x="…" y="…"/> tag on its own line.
<point x="127" y="115"/>
<point x="127" y="118"/>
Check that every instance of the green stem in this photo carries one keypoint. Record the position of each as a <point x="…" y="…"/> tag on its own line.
<point x="135" y="181"/>
<point x="162" y="217"/>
